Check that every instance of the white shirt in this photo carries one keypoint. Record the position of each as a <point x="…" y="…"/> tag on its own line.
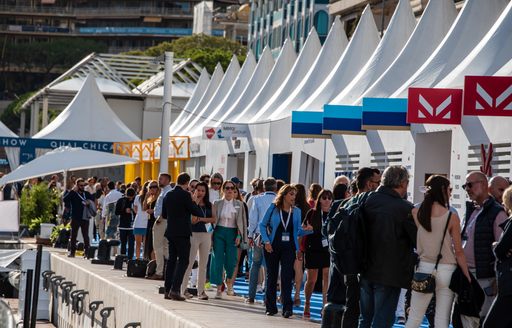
<point x="141" y="219"/>
<point x="112" y="197"/>
<point x="228" y="215"/>
<point x="160" y="200"/>
<point x="214" y="195"/>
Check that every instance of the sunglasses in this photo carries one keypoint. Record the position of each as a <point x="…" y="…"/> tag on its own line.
<point x="229" y="188"/>
<point x="469" y="185"/>
<point x="153" y="187"/>
<point x="81" y="185"/>
<point x="216" y="183"/>
<point x="326" y="197"/>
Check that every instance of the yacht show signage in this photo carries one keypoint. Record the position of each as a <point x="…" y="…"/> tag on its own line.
<point x="488" y="95"/>
<point x="434" y="106"/>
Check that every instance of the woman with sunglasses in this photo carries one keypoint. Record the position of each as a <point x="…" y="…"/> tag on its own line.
<point x="241" y="248"/>
<point x="280" y="228"/>
<point x="201" y="240"/>
<point x="438" y="228"/>
<point x="316" y="249"/>
<point x="230" y="231"/>
<point x="149" y="207"/>
<point x="302" y="203"/>
<point x="140" y="223"/>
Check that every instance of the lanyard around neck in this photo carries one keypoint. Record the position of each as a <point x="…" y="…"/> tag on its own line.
<point x="287" y="219"/>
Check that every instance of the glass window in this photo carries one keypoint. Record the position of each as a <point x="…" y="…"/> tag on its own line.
<point x="321" y="21"/>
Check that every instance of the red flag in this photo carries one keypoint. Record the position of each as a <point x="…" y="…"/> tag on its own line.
<point x="434" y="106"/>
<point x="488" y="95"/>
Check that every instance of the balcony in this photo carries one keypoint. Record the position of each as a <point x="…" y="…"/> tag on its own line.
<point x="94" y="12"/>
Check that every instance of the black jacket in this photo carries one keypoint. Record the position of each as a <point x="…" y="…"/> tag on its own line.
<point x="74" y="201"/>
<point x="391" y="238"/>
<point x="125" y="219"/>
<point x="177" y="208"/>
<point x="470" y="296"/>
<point x="504" y="260"/>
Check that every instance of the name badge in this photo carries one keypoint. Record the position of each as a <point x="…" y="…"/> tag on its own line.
<point x="285" y="237"/>
<point x="325" y="242"/>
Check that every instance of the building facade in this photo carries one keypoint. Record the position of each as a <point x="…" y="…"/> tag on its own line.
<point x="272" y="22"/>
<point x="122" y="25"/>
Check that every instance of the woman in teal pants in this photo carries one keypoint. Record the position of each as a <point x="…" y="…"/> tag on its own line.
<point x="230" y="231"/>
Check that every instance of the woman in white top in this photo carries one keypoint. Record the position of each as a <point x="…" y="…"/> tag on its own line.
<point x="230" y="231"/>
<point x="141" y="220"/>
<point x="431" y="219"/>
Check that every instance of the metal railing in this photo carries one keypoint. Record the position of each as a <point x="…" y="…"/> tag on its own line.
<point x="97" y="11"/>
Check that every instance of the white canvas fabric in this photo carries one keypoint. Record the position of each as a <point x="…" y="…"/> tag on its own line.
<point x="65" y="159"/>
<point x="282" y="68"/>
<point x="334" y="45"/>
<point x="197" y="95"/>
<point x="474" y="20"/>
<point x="105" y="85"/>
<point x="186" y="116"/>
<point x="258" y="78"/>
<point x="87" y="117"/>
<point x="233" y="95"/>
<point x="225" y="85"/>
<point x="494" y="51"/>
<point x="398" y="32"/>
<point x="359" y="50"/>
<point x="304" y="62"/>
<point x="432" y="27"/>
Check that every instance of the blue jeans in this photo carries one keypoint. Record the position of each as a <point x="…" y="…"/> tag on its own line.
<point x="378" y="305"/>
<point x="257" y="261"/>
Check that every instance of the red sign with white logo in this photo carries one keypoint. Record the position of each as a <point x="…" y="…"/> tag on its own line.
<point x="210" y="132"/>
<point x="488" y="95"/>
<point x="434" y="106"/>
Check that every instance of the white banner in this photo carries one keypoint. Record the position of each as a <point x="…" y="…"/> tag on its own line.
<point x="226" y="131"/>
<point x="9" y="216"/>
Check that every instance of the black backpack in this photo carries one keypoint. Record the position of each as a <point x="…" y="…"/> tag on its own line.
<point x="347" y="243"/>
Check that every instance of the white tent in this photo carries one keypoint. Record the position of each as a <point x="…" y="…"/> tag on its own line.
<point x="474" y="21"/>
<point x="65" y="159"/>
<point x="186" y="116"/>
<point x="302" y="66"/>
<point x="356" y="55"/>
<point x="505" y="70"/>
<point x="261" y="72"/>
<point x="494" y="51"/>
<point x="233" y="95"/>
<point x="87" y="117"/>
<point x="334" y="45"/>
<point x="434" y="23"/>
<point x="13" y="154"/>
<point x="282" y="68"/>
<point x="225" y="85"/>
<point x="398" y="32"/>
<point x="199" y="90"/>
<point x="179" y="90"/>
<point x="104" y="85"/>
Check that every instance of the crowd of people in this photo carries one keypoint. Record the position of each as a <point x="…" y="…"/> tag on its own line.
<point x="281" y="232"/>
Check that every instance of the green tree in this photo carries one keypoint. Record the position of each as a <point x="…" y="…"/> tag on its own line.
<point x="204" y="50"/>
<point x="38" y="202"/>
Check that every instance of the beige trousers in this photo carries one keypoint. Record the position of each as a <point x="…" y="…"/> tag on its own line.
<point x="160" y="245"/>
<point x="202" y="242"/>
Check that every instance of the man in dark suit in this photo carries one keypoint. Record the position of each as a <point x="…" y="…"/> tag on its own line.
<point x="177" y="208"/>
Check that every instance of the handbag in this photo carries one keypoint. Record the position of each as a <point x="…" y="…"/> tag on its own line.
<point x="426" y="282"/>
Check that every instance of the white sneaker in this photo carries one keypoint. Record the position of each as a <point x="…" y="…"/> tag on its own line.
<point x="259" y="289"/>
<point x="218" y="295"/>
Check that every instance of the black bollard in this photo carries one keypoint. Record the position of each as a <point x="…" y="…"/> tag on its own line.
<point x="37" y="273"/>
<point x="28" y="299"/>
<point x="333" y="313"/>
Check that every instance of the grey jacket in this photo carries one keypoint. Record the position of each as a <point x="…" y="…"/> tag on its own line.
<point x="241" y="219"/>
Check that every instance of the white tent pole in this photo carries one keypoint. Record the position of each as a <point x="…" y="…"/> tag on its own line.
<point x="166" y="114"/>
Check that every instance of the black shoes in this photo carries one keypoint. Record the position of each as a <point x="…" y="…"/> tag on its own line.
<point x="176" y="296"/>
<point x="270" y="313"/>
<point x="287" y="314"/>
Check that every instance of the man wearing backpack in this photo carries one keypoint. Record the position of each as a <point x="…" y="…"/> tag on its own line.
<point x="367" y="179"/>
<point x="390" y="239"/>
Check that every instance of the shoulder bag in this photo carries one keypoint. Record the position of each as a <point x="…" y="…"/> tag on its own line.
<point x="426" y="282"/>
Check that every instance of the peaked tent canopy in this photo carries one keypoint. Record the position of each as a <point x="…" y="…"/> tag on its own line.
<point x="305" y="61"/>
<point x="233" y="95"/>
<point x="65" y="159"/>
<point x="105" y="85"/>
<point x="329" y="55"/>
<point x="434" y="23"/>
<point x="359" y="50"/>
<point x="261" y="73"/>
<point x="473" y="22"/>
<point x="398" y="32"/>
<point x="282" y="68"/>
<point x="225" y="85"/>
<point x="186" y="116"/>
<point x="87" y="117"/>
<point x="494" y="51"/>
